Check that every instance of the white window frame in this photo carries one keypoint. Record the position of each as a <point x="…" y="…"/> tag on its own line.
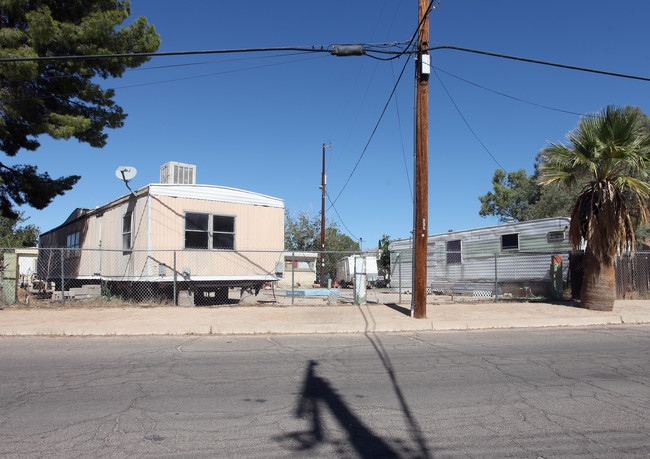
<point x="127" y="246"/>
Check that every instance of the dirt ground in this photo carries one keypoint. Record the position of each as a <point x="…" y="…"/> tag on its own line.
<point x="266" y="297"/>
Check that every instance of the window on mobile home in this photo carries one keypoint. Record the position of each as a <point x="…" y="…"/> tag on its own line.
<point x="72" y="244"/>
<point x="453" y="251"/>
<point x="299" y="264"/>
<point x="126" y="231"/>
<point x="510" y="242"/>
<point x="204" y="231"/>
<point x="223" y="232"/>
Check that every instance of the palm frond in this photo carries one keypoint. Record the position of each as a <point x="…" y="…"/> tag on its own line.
<point x="609" y="155"/>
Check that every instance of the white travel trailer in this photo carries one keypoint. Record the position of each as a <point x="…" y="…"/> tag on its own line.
<point x="345" y="270"/>
<point x="517" y="255"/>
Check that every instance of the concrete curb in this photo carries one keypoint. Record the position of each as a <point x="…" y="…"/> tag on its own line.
<point x="307" y="320"/>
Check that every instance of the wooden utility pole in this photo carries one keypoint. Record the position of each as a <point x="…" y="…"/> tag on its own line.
<point x="421" y="165"/>
<point x="322" y="224"/>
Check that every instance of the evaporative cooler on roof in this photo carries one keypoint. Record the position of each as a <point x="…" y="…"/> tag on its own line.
<point x="178" y="173"/>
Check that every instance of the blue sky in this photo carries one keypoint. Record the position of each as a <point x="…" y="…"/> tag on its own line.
<point x="258" y="121"/>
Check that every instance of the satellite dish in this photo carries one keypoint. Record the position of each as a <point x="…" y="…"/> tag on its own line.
<point x="125" y="173"/>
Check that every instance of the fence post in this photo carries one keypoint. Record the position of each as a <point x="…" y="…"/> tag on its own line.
<point x="62" y="275"/>
<point x="399" y="270"/>
<point x="175" y="297"/>
<point x="496" y="279"/>
<point x="293" y="275"/>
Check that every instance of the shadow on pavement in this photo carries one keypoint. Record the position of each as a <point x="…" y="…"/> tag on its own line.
<point x="316" y="393"/>
<point x="398" y="308"/>
<point x="414" y="428"/>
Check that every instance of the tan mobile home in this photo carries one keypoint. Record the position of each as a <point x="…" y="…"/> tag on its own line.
<point x="166" y="238"/>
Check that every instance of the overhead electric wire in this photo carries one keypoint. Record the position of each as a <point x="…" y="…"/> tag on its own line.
<point x="313" y="49"/>
<point x="506" y="95"/>
<point x="465" y="120"/>
<point x="410" y="42"/>
<point x="331" y="49"/>
<point x="390" y="97"/>
<point x="401" y="137"/>
<point x="417" y="30"/>
<point x="215" y="73"/>
<point x="184" y="78"/>
<point x="338" y="215"/>
<point x="535" y="61"/>
<point x="222" y="61"/>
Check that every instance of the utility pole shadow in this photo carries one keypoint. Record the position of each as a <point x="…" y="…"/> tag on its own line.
<point x="317" y="392"/>
<point x="414" y="428"/>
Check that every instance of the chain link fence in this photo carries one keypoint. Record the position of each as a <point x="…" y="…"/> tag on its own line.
<point x="479" y="275"/>
<point x="59" y="276"/>
<point x="633" y="276"/>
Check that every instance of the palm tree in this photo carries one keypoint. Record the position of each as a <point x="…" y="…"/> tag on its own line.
<point x="608" y="156"/>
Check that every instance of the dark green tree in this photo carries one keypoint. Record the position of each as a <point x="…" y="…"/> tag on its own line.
<point x="513" y="197"/>
<point x="60" y="98"/>
<point x="302" y="233"/>
<point x="13" y="234"/>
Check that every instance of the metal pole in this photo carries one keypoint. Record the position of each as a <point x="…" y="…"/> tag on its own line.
<point x="496" y="279"/>
<point x="293" y="274"/>
<point x="323" y="182"/>
<point x="62" y="274"/>
<point x="399" y="269"/>
<point x="354" y="280"/>
<point x="175" y="297"/>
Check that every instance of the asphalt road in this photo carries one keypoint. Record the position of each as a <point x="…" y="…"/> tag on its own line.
<point x="517" y="393"/>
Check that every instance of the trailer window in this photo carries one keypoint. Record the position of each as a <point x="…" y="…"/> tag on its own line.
<point x="223" y="232"/>
<point x="72" y="244"/>
<point x="299" y="264"/>
<point x="204" y="231"/>
<point x="126" y="231"/>
<point x="453" y="251"/>
<point x="510" y="242"/>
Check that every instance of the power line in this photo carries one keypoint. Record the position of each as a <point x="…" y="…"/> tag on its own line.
<point x="373" y="131"/>
<point x="535" y="61"/>
<point x="401" y="137"/>
<point x="410" y="42"/>
<point x="507" y="95"/>
<point x="465" y="120"/>
<point x="340" y="219"/>
<point x="173" y="79"/>
<point x="215" y="73"/>
<point x="313" y="49"/>
<point x="221" y="61"/>
<point x="339" y="50"/>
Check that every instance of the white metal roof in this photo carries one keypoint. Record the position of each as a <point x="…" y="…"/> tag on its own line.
<point x="214" y="193"/>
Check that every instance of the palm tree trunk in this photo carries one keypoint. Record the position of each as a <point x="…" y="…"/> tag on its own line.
<point x="599" y="284"/>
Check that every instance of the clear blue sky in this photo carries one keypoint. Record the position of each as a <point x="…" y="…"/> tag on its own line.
<point x="258" y="121"/>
